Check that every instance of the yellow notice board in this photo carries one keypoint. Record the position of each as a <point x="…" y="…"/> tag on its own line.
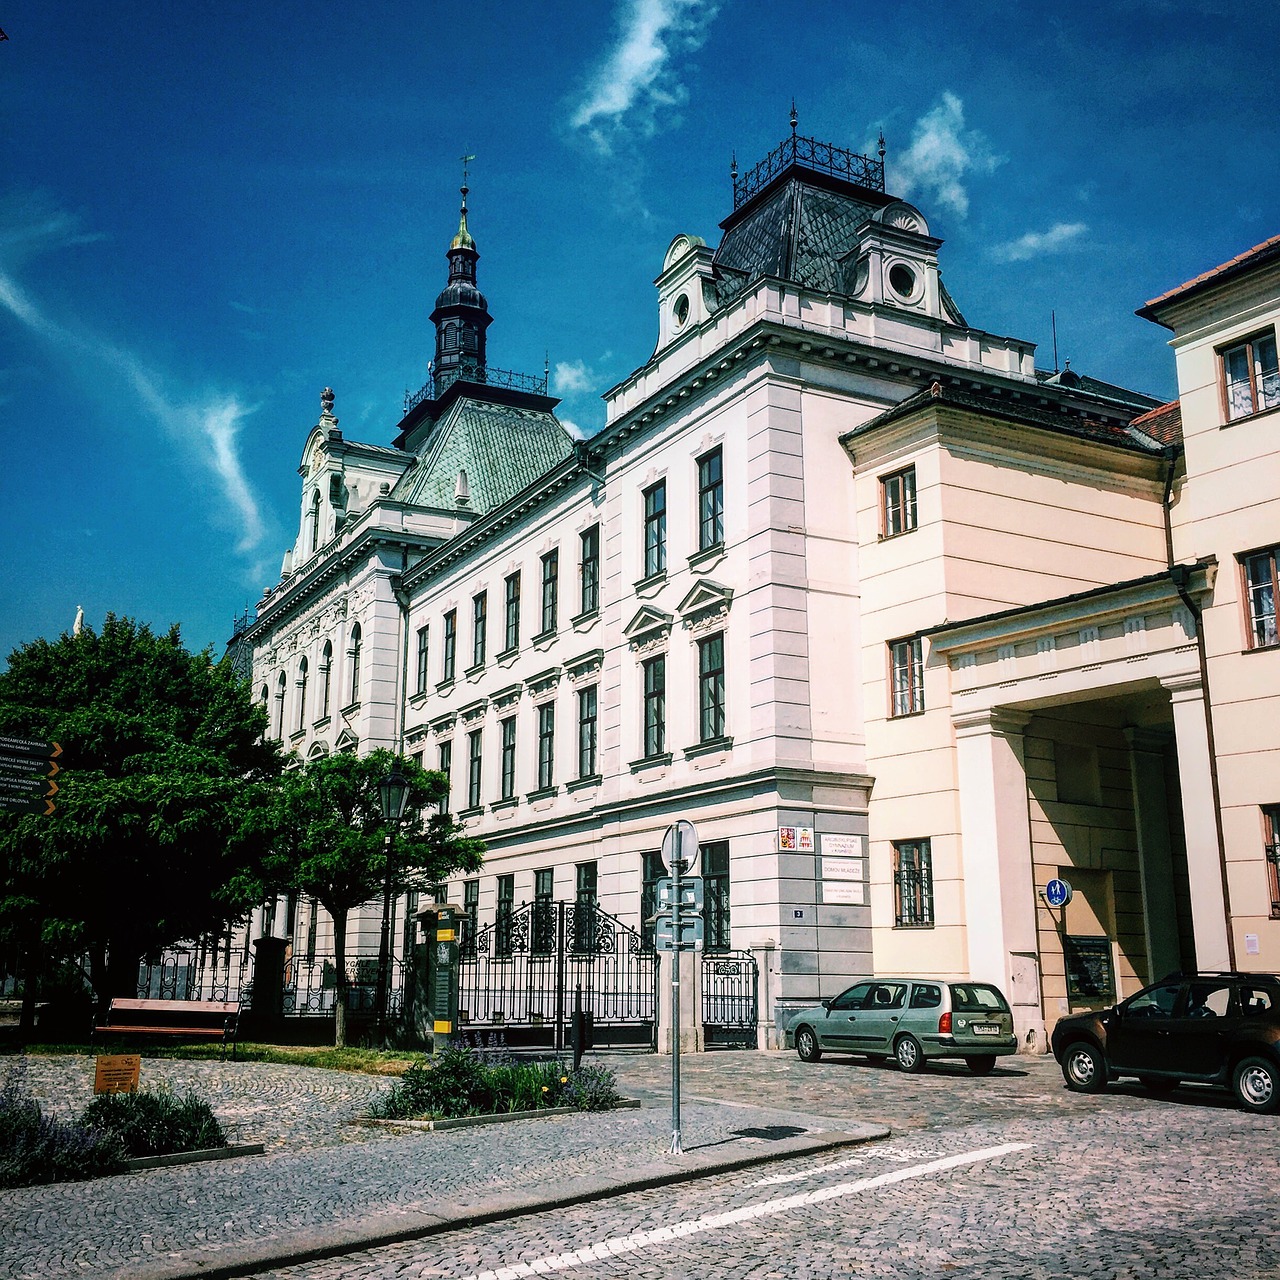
<point x="117" y="1073"/>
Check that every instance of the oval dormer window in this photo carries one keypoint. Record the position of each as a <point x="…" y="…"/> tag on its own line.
<point x="904" y="281"/>
<point x="681" y="310"/>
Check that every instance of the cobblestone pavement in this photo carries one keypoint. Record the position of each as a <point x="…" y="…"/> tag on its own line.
<point x="1119" y="1186"/>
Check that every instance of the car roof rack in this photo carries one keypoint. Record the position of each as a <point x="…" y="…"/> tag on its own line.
<point x="1180" y="976"/>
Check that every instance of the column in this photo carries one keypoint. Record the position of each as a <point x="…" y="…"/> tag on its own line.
<point x="999" y="889"/>
<point x="1155" y="854"/>
<point x="1199" y="819"/>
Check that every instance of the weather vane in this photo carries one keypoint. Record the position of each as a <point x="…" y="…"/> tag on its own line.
<point x="466" y="160"/>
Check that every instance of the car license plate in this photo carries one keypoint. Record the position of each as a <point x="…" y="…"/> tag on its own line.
<point x="985" y="1029"/>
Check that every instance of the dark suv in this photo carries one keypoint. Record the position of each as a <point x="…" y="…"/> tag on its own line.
<point x="1214" y="1028"/>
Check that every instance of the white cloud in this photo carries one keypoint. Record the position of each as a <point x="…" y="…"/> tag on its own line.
<point x="31" y="224"/>
<point x="571" y="378"/>
<point x="1061" y="236"/>
<point x="637" y="80"/>
<point x="573" y="429"/>
<point x="208" y="427"/>
<point x="942" y="153"/>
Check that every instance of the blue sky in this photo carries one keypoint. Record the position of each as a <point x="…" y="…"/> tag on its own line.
<point x="209" y="213"/>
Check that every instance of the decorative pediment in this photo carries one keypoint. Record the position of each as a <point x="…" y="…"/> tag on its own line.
<point x="443" y="724"/>
<point x="415" y="736"/>
<point x="473" y="711"/>
<point x="506" y="697"/>
<point x="347" y="741"/>
<point x="705" y="605"/>
<point x="318" y="751"/>
<point x="648" y="626"/>
<point x="585" y="664"/>
<point x="544" y="681"/>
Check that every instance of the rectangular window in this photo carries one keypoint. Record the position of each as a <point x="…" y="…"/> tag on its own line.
<point x="1250" y="375"/>
<point x="715" y="884"/>
<point x="550" y="590"/>
<point x="711" y="688"/>
<point x="585" y="914"/>
<point x="587" y="729"/>
<point x="546" y="745"/>
<point x="508" y="727"/>
<point x="470" y="921"/>
<point x="590" y="569"/>
<point x="898" y="503"/>
<point x="479" y="627"/>
<point x="655" y="706"/>
<point x="907" y="675"/>
<point x="655" y="529"/>
<point x="512" y="636"/>
<point x="1261" y="589"/>
<point x="444" y="763"/>
<point x="475" y="744"/>
<point x="503" y="915"/>
<point x="710" y="501"/>
<point x="652" y="869"/>
<point x="421" y="682"/>
<point x="313" y="920"/>
<point x="912" y="884"/>
<point x="1271" y="830"/>
<point x="450" y="645"/>
<point x="543" y="938"/>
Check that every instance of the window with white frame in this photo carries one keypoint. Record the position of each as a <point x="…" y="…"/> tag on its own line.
<point x="898" y="503"/>
<point x="906" y="674"/>
<point x="1251" y="377"/>
<point x="1261" y="587"/>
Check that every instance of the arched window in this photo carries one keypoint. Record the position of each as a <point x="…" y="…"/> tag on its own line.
<point x="353" y="657"/>
<point x="326" y="675"/>
<point x="302" y="694"/>
<point x="313" y="523"/>
<point x="280" y="687"/>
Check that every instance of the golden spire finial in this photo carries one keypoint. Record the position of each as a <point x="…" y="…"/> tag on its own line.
<point x="463" y="239"/>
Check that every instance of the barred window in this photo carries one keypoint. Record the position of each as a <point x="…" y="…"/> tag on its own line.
<point x="584" y="913"/>
<point x="912" y="884"/>
<point x="1271" y="826"/>
<point x="543" y="940"/>
<point x="502" y="917"/>
<point x="715" y="877"/>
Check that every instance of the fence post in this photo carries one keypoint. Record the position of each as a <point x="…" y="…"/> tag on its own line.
<point x="267" y="1006"/>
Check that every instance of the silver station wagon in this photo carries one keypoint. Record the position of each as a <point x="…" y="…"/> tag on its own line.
<point x="911" y="1020"/>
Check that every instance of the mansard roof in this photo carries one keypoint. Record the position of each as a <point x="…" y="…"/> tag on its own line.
<point x="503" y="448"/>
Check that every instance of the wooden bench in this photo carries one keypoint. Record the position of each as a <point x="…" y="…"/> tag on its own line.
<point x="186" y="1018"/>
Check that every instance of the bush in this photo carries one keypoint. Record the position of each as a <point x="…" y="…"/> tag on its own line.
<point x="156" y="1123"/>
<point x="35" y="1148"/>
<point x="460" y="1082"/>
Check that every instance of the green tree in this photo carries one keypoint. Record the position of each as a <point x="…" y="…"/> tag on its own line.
<point x="332" y="842"/>
<point x="165" y="794"/>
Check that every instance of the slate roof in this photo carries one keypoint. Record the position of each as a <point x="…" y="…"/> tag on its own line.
<point x="1260" y="253"/>
<point x="503" y="448"/>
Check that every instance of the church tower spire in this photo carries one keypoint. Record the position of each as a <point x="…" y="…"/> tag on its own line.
<point x="461" y="314"/>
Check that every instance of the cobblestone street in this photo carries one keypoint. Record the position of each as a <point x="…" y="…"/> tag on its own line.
<point x="1006" y="1176"/>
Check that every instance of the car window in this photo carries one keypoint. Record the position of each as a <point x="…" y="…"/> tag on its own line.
<point x="854" y="998"/>
<point x="1154" y="1002"/>
<point x="1211" y="999"/>
<point x="925" y="995"/>
<point x="1256" y="1000"/>
<point x="976" y="997"/>
<point x="888" y="995"/>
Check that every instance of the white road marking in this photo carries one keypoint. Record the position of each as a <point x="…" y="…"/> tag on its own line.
<point x="715" y="1221"/>
<point x="899" y="1155"/>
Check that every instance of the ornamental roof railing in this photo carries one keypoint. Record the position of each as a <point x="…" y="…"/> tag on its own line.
<point x="470" y="371"/>
<point x="812" y="154"/>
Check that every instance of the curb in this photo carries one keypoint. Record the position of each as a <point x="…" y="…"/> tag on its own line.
<point x="450" y="1215"/>
<point x="467" y="1122"/>
<point x="194" y="1157"/>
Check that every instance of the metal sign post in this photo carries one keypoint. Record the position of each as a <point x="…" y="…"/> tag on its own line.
<point x="678" y="838"/>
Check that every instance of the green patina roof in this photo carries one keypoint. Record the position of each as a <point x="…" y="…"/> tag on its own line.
<point x="502" y="448"/>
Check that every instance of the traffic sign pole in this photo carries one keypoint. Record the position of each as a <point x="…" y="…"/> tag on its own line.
<point x="677" y="867"/>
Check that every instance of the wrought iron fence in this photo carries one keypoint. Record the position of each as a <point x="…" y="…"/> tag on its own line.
<point x="203" y="971"/>
<point x="820" y="156"/>
<point x="472" y="371"/>
<point x="311" y="985"/>
<point x="526" y="968"/>
<point x="730" y="998"/>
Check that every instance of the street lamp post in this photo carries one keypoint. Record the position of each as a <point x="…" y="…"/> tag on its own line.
<point x="393" y="794"/>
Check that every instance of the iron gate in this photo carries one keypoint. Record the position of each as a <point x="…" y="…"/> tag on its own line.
<point x="523" y="974"/>
<point x="730" y="987"/>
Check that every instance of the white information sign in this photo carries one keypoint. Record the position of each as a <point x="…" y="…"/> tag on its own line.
<point x="845" y="892"/>
<point x="838" y="845"/>
<point x="841" y="868"/>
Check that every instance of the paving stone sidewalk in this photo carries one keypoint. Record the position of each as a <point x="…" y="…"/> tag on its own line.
<point x="327" y="1185"/>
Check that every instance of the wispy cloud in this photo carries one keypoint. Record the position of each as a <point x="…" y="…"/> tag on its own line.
<point x="1060" y="237"/>
<point x="942" y="154"/>
<point x="207" y="426"/>
<point x="638" y="80"/>
<point x="572" y="377"/>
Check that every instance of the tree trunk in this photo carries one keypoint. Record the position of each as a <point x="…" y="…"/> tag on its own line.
<point x="340" y="963"/>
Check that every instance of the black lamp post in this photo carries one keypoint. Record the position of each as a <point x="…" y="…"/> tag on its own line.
<point x="393" y="795"/>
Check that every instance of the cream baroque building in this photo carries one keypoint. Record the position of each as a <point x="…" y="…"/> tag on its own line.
<point x="904" y="625"/>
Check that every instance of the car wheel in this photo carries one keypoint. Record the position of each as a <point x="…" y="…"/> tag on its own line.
<point x="981" y="1066"/>
<point x="909" y="1054"/>
<point x="1158" y="1084"/>
<point x="807" y="1045"/>
<point x="1083" y="1068"/>
<point x="1257" y="1085"/>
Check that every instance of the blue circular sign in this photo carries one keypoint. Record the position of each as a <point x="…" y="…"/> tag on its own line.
<point x="1057" y="893"/>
